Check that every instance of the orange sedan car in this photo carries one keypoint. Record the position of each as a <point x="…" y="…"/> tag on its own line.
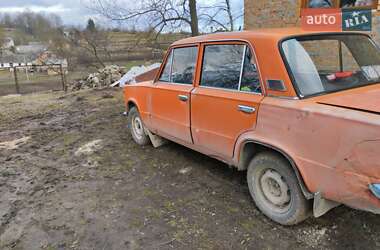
<point x="299" y="110"/>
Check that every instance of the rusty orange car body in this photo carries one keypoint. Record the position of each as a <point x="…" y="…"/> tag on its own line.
<point x="331" y="140"/>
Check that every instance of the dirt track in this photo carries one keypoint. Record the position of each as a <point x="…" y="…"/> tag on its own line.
<point x="76" y="180"/>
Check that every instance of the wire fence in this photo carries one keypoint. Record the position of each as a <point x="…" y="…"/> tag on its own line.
<point x="32" y="78"/>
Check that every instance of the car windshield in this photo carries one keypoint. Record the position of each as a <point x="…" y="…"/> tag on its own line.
<point x="322" y="64"/>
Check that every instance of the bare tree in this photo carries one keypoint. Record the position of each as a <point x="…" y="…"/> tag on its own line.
<point x="221" y="15"/>
<point x="1" y="36"/>
<point x="172" y="15"/>
<point x="160" y="14"/>
<point x="193" y="17"/>
<point x="91" y="45"/>
<point x="62" y="47"/>
<point x="2" y="39"/>
<point x="228" y="10"/>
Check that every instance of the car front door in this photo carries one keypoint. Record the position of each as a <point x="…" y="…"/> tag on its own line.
<point x="226" y="100"/>
<point x="170" y="99"/>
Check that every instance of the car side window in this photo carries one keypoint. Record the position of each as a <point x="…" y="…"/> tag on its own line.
<point x="250" y="80"/>
<point x="222" y="66"/>
<point x="180" y="66"/>
<point x="184" y="61"/>
<point x="165" y="75"/>
<point x="230" y="66"/>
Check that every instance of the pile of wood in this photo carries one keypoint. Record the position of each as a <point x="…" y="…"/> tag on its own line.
<point x="101" y="79"/>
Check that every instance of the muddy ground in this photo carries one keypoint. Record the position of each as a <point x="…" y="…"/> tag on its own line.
<point x="72" y="178"/>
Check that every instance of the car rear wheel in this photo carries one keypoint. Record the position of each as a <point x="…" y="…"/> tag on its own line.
<point x="275" y="189"/>
<point x="136" y="127"/>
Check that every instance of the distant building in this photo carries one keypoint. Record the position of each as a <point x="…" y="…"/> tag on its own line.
<point x="27" y="57"/>
<point x="49" y="58"/>
<point x="46" y="62"/>
<point x="31" y="48"/>
<point x="9" y="59"/>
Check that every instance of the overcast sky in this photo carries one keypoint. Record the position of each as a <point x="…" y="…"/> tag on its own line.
<point x="74" y="12"/>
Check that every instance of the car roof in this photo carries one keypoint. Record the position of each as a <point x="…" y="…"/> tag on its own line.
<point x="274" y="34"/>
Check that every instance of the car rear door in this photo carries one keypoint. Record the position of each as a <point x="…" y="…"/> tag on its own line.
<point x="226" y="99"/>
<point x="170" y="98"/>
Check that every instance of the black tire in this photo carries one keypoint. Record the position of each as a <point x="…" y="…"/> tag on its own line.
<point x="137" y="131"/>
<point x="269" y="175"/>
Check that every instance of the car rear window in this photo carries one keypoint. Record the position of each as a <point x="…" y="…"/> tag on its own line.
<point x="321" y="64"/>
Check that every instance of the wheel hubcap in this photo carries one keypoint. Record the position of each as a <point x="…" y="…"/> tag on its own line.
<point x="275" y="189"/>
<point x="138" y="127"/>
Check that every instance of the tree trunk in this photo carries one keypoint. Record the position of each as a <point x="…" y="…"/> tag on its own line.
<point x="230" y="17"/>
<point x="194" y="17"/>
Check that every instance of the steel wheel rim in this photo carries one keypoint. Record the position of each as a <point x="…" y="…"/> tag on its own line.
<point x="138" y="128"/>
<point x="274" y="190"/>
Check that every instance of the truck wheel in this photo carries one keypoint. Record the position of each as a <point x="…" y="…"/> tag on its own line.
<point x="136" y="127"/>
<point x="275" y="189"/>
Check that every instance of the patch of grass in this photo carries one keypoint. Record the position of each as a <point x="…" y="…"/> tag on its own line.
<point x="7" y="78"/>
<point x="136" y="223"/>
<point x="155" y="213"/>
<point x="248" y="225"/>
<point x="185" y="230"/>
<point x="232" y="210"/>
<point x="148" y="192"/>
<point x="6" y="173"/>
<point x="71" y="138"/>
<point x="49" y="247"/>
<point x="170" y="206"/>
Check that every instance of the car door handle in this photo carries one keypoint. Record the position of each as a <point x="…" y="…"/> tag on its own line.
<point x="246" y="109"/>
<point x="183" y="98"/>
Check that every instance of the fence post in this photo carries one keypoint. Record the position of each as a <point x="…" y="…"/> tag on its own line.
<point x="62" y="78"/>
<point x="16" y="80"/>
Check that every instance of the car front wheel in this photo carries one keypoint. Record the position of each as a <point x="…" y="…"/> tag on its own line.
<point x="136" y="127"/>
<point x="275" y="189"/>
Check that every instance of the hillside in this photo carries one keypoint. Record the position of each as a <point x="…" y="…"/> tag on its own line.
<point x="138" y="46"/>
<point x="122" y="47"/>
<point x="19" y="36"/>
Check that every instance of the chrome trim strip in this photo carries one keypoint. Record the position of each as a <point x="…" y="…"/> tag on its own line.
<point x="285" y="97"/>
<point x="175" y="83"/>
<point x="242" y="66"/>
